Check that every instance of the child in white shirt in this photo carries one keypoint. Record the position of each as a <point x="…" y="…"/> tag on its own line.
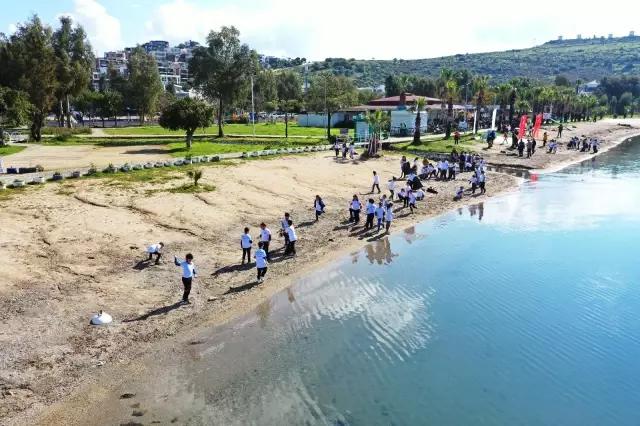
<point x="420" y="195"/>
<point x="291" y="245"/>
<point x="389" y="216"/>
<point x="261" y="262"/>
<point x="459" y="194"/>
<point x="318" y="204"/>
<point x="265" y="238"/>
<point x="188" y="274"/>
<point x="245" y="244"/>
<point x="380" y="210"/>
<point x="354" y="210"/>
<point x="412" y="201"/>
<point x="392" y="185"/>
<point x="155" y="249"/>
<point x="474" y="184"/>
<point x="376" y="182"/>
<point x="352" y="150"/>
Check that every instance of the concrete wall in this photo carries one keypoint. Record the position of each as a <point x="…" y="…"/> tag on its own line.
<point x="320" y="120"/>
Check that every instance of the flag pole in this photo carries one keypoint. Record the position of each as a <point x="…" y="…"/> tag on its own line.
<point x="253" y="112"/>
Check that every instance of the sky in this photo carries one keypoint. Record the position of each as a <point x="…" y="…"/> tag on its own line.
<point x="315" y="30"/>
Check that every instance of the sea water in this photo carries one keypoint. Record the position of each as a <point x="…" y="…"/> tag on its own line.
<point x="522" y="310"/>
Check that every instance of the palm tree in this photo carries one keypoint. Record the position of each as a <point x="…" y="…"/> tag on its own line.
<point x="512" y="103"/>
<point x="419" y="106"/>
<point x="480" y="85"/>
<point x="504" y="93"/>
<point x="523" y="106"/>
<point x="448" y="89"/>
<point x="375" y="119"/>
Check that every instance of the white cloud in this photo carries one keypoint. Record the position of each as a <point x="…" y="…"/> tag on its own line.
<point x="103" y="29"/>
<point x="384" y="30"/>
<point x="12" y="28"/>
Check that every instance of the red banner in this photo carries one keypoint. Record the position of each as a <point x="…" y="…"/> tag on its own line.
<point x="523" y="127"/>
<point x="537" y="125"/>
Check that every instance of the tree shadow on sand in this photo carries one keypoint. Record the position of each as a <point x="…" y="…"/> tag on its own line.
<point x="160" y="311"/>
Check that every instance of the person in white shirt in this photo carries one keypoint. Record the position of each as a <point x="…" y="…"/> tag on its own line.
<point x="596" y="145"/>
<point x="412" y="175"/>
<point x="403" y="161"/>
<point x="384" y="201"/>
<point x="344" y="150"/>
<point x="459" y="194"/>
<point x="188" y="274"/>
<point x="412" y="201"/>
<point x="424" y="172"/>
<point x="438" y="168"/>
<point x="379" y="212"/>
<point x="444" y="170"/>
<point x="482" y="180"/>
<point x="352" y="150"/>
<point x="402" y="196"/>
<point x="155" y="249"/>
<point x="474" y="184"/>
<point x="376" y="182"/>
<point x="283" y="229"/>
<point x="392" y="185"/>
<point x="265" y="238"/>
<point x="416" y="164"/>
<point x="261" y="262"/>
<point x="420" y="195"/>
<point x="452" y="171"/>
<point x="318" y="204"/>
<point x="336" y="147"/>
<point x="389" y="217"/>
<point x="467" y="166"/>
<point x="245" y="243"/>
<point x="431" y="171"/>
<point x="371" y="210"/>
<point x="291" y="245"/>
<point x="354" y="210"/>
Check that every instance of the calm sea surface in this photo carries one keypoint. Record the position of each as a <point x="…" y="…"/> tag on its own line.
<point x="524" y="310"/>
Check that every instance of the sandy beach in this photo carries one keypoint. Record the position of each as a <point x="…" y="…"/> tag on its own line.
<point x="68" y="250"/>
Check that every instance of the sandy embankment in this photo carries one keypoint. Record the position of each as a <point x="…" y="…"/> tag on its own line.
<point x="75" y="248"/>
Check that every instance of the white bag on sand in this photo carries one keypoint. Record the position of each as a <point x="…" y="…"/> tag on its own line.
<point x="101" y="319"/>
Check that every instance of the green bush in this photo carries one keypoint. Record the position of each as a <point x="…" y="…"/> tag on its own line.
<point x="66" y="131"/>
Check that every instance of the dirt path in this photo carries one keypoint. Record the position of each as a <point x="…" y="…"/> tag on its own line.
<point x="81" y="156"/>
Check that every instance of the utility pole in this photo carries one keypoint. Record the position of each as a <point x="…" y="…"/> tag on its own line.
<point x="253" y="112"/>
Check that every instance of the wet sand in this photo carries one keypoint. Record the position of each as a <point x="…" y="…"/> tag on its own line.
<point x="78" y="247"/>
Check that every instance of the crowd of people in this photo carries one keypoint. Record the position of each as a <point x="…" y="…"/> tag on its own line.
<point x="379" y="213"/>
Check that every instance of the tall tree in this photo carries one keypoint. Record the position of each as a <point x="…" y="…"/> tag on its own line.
<point x="73" y="63"/>
<point x="108" y="104"/>
<point x="28" y="63"/>
<point x="503" y="92"/>
<point x="391" y="86"/>
<point x="187" y="114"/>
<point x="562" y="80"/>
<point x="449" y="92"/>
<point x="144" y="85"/>
<point x="330" y="94"/>
<point x="289" y="85"/>
<point x="480" y="87"/>
<point x="419" y="107"/>
<point x="85" y="103"/>
<point x="222" y="68"/>
<point x="15" y="109"/>
<point x="265" y="89"/>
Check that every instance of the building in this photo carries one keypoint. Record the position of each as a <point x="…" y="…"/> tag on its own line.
<point x="155" y="45"/>
<point x="588" y="88"/>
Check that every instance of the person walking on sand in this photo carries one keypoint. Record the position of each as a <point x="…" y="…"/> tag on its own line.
<point x="392" y="186"/>
<point x="336" y="148"/>
<point x="380" y="210"/>
<point x="265" y="238"/>
<point x="544" y="139"/>
<point x="384" y="201"/>
<point x="505" y="137"/>
<point x="474" y="184"/>
<point x="482" y="180"/>
<point x="352" y="150"/>
<point x="283" y="229"/>
<point x="354" y="210"/>
<point x="388" y="217"/>
<point x="291" y="245"/>
<point x="318" y="204"/>
<point x="245" y="243"/>
<point x="529" y="148"/>
<point x="371" y="211"/>
<point x="154" y="249"/>
<point x="188" y="274"/>
<point x="376" y="182"/>
<point x="261" y="262"/>
<point x="520" y="148"/>
<point x="344" y="150"/>
<point x="560" y="128"/>
<point x="412" y="201"/>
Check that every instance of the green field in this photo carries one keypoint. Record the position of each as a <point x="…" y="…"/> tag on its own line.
<point x="8" y="150"/>
<point x="215" y="148"/>
<point x="265" y="129"/>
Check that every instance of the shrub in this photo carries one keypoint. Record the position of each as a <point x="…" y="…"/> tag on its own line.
<point x="196" y="175"/>
<point x="60" y="131"/>
<point x="62" y="138"/>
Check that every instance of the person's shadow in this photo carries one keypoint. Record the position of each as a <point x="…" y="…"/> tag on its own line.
<point x="242" y="288"/>
<point x="160" y="311"/>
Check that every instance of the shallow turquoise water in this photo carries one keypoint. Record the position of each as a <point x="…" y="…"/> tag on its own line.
<point x="524" y="310"/>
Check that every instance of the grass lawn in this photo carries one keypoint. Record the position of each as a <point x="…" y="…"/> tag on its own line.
<point x="255" y="143"/>
<point x="8" y="150"/>
<point x="277" y="129"/>
<point x="467" y="143"/>
<point x="213" y="148"/>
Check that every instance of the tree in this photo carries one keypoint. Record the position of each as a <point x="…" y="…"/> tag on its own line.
<point x="289" y="85"/>
<point x="624" y="104"/>
<point x="562" y="80"/>
<point x="391" y="86"/>
<point x="222" y="68"/>
<point x="422" y="86"/>
<point x="503" y="92"/>
<point x="170" y="88"/>
<point x="85" y="103"/>
<point x="144" y="84"/>
<point x="480" y="86"/>
<point x="419" y="106"/>
<point x="74" y="61"/>
<point x="15" y="109"/>
<point x="330" y="94"/>
<point x="108" y="104"/>
<point x="449" y="91"/>
<point x="265" y="89"/>
<point x="28" y="63"/>
<point x="187" y="114"/>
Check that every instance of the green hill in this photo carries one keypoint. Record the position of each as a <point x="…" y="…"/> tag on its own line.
<point x="587" y="59"/>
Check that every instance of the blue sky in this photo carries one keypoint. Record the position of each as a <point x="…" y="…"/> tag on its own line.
<point x="333" y="28"/>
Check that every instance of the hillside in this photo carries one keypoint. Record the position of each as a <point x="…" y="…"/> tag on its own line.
<point x="587" y="59"/>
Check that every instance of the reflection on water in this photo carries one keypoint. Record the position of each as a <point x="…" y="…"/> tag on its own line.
<point x="524" y="312"/>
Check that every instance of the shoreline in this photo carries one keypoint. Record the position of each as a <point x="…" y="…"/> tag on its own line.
<point x="224" y="308"/>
